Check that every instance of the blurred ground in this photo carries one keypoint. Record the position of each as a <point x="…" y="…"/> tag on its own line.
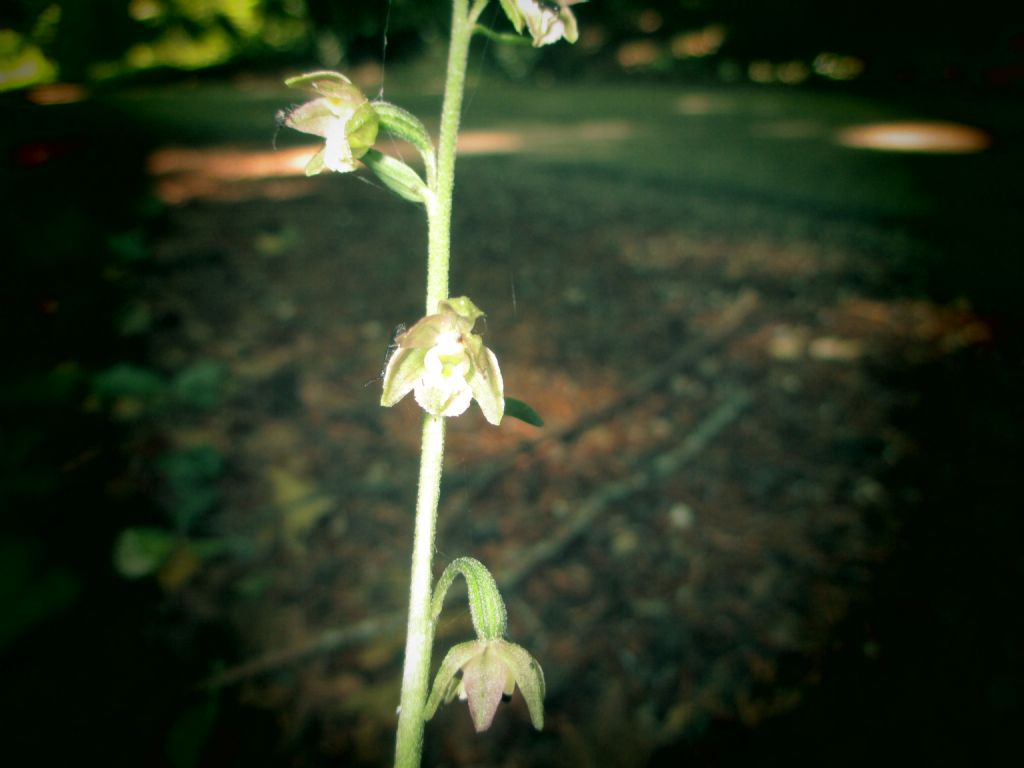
<point x="776" y="372"/>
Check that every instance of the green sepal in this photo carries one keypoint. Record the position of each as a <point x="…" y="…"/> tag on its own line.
<point x="513" y="13"/>
<point x="490" y="670"/>
<point x="486" y="608"/>
<point x="446" y="682"/>
<point x="334" y="85"/>
<point x="316" y="164"/>
<point x="528" y="676"/>
<point x="404" y="369"/>
<point x="487" y="386"/>
<point x="423" y="333"/>
<point x="397" y="176"/>
<point x="464" y="307"/>
<point x="517" y="409"/>
<point x="361" y="130"/>
<point x="314" y="117"/>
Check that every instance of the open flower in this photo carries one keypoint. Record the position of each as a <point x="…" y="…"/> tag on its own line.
<point x="548" y="21"/>
<point x="340" y="114"/>
<point x="489" y="670"/>
<point x="446" y="365"/>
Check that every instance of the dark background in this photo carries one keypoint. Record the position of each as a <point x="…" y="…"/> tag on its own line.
<point x="96" y="665"/>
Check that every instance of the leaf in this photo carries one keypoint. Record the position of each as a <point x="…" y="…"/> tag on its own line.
<point x="404" y="125"/>
<point x="143" y="551"/>
<point x="501" y="37"/>
<point x="486" y="606"/>
<point x="128" y="380"/>
<point x="201" y="384"/>
<point x="517" y="409"/>
<point x="397" y="176"/>
<point x="302" y="505"/>
<point x="191" y="476"/>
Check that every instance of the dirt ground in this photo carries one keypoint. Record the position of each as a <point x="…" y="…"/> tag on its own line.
<point x="706" y="544"/>
<point x="713" y="469"/>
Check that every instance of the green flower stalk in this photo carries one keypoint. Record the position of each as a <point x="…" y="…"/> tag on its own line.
<point x="442" y="361"/>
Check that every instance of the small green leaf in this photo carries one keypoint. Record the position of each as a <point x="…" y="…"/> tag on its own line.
<point x="486" y="607"/>
<point x="191" y="476"/>
<point x="404" y="125"/>
<point x="517" y="409"/>
<point x="201" y="384"/>
<point x="143" y="551"/>
<point x="501" y="37"/>
<point x="397" y="176"/>
<point x="128" y="380"/>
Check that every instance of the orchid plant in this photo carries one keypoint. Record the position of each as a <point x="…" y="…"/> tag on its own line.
<point x="442" y="361"/>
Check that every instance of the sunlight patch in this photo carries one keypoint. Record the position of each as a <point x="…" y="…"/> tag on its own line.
<point x="924" y="136"/>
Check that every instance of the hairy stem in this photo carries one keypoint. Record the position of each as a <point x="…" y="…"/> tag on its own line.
<point x="420" y="629"/>
<point x="439" y="210"/>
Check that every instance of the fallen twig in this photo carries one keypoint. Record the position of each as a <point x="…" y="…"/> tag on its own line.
<point x="662" y="466"/>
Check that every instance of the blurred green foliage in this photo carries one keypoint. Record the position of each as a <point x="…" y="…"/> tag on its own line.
<point x="31" y="589"/>
<point x="98" y="39"/>
<point x="191" y="476"/>
<point x="78" y="40"/>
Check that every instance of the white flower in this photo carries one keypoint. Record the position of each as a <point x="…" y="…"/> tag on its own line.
<point x="341" y="115"/>
<point x="490" y="670"/>
<point x="445" y="365"/>
<point x="547" y="22"/>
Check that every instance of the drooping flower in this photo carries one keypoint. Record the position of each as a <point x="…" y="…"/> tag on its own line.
<point x="548" y="21"/>
<point x="446" y="365"/>
<point x="489" y="670"/>
<point x="340" y="114"/>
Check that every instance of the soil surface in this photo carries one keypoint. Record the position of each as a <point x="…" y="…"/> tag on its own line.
<point x="732" y="329"/>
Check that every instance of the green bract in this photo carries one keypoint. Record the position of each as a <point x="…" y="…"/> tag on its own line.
<point x="490" y="669"/>
<point x="548" y="21"/>
<point x="446" y="365"/>
<point x="341" y="115"/>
